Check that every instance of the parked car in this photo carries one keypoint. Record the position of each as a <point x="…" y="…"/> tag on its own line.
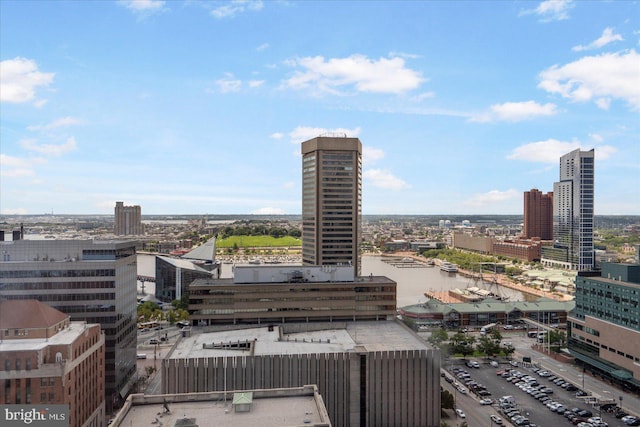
<point x="486" y="401"/>
<point x="496" y="419"/>
<point x="494" y="363"/>
<point x="460" y="413"/>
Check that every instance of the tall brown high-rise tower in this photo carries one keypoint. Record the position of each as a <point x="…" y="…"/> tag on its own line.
<point x="331" y="201"/>
<point x="128" y="220"/>
<point x="538" y="215"/>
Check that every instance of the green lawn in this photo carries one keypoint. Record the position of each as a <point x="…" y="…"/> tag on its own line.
<point x="258" y="241"/>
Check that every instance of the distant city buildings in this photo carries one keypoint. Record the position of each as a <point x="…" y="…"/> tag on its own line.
<point x="48" y="360"/>
<point x="604" y="329"/>
<point x="573" y="216"/>
<point x="538" y="215"/>
<point x="331" y="201"/>
<point x="127" y="220"/>
<point x="89" y="280"/>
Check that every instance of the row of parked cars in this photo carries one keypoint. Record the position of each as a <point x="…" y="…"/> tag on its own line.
<point x="512" y="412"/>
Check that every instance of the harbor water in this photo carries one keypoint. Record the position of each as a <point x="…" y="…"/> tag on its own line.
<point x="413" y="280"/>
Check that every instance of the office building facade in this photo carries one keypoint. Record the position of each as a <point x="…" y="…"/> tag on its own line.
<point x="92" y="281"/>
<point x="174" y="276"/>
<point x="45" y="359"/>
<point x="604" y="329"/>
<point x="267" y="294"/>
<point x="538" y="215"/>
<point x="573" y="215"/>
<point x="331" y="201"/>
<point x="127" y="220"/>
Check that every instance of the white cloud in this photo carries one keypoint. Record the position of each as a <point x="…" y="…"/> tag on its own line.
<point x="551" y="10"/>
<point x="59" y="123"/>
<point x="384" y="179"/>
<point x="255" y="83"/>
<point x="607" y="37"/>
<point x="49" y="149"/>
<point x="611" y="75"/>
<point x="15" y="211"/>
<point x="15" y="167"/>
<point x="371" y="155"/>
<point x="276" y="135"/>
<point x="19" y="78"/>
<point x="386" y="75"/>
<point x="236" y="7"/>
<point x="492" y="197"/>
<point x="515" y="112"/>
<point x="289" y="185"/>
<point x="263" y="46"/>
<point x="269" y="211"/>
<point x="229" y="84"/>
<point x="551" y="150"/>
<point x="143" y="5"/>
<point x="302" y="133"/>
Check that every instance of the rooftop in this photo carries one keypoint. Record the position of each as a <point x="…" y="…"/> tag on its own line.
<point x="300" y="406"/>
<point x="63" y="337"/>
<point x="28" y="314"/>
<point x="335" y="338"/>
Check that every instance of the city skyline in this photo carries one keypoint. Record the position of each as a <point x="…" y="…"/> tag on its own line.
<point x="201" y="107"/>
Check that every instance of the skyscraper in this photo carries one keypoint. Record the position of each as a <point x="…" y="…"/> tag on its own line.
<point x="573" y="200"/>
<point x="128" y="220"/>
<point x="331" y="201"/>
<point x="538" y="215"/>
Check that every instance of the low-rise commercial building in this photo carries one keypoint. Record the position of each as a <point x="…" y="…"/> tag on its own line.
<point x="281" y="294"/>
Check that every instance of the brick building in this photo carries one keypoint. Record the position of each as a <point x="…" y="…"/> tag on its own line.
<point x="47" y="359"/>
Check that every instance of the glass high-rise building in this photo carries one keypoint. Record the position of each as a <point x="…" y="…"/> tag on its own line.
<point x="573" y="216"/>
<point x="331" y="201"/>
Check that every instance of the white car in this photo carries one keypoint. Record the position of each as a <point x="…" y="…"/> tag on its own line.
<point x="494" y="364"/>
<point x="460" y="413"/>
<point x="486" y="401"/>
<point x="496" y="419"/>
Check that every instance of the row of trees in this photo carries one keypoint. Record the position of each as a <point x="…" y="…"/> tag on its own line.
<point x="258" y="230"/>
<point x="149" y="311"/>
<point x="467" y="345"/>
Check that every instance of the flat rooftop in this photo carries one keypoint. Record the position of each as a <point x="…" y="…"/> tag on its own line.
<point x="334" y="338"/>
<point x="276" y="407"/>
<point x="63" y="337"/>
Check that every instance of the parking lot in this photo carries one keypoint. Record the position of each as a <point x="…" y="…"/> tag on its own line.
<point x="524" y="384"/>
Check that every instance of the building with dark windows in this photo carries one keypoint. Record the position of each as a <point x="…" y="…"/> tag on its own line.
<point x="175" y="275"/>
<point x="331" y="201"/>
<point x="284" y="294"/>
<point x="573" y="216"/>
<point x="127" y="220"/>
<point x="91" y="281"/>
<point x="604" y="330"/>
<point x="368" y="373"/>
<point x="538" y="215"/>
<point x="48" y="360"/>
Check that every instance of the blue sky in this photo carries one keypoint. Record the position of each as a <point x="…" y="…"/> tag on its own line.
<point x="188" y="107"/>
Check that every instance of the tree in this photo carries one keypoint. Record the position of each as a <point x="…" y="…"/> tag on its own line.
<point x="462" y="344"/>
<point x="488" y="346"/>
<point x="438" y="337"/>
<point x="508" y="350"/>
<point x="446" y="399"/>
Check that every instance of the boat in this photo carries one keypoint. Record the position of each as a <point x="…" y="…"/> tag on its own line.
<point x="449" y="267"/>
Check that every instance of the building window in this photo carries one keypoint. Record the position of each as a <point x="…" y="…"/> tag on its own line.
<point x="18" y="364"/>
<point x="7" y="365"/>
<point x="27" y="363"/>
<point x="43" y="397"/>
